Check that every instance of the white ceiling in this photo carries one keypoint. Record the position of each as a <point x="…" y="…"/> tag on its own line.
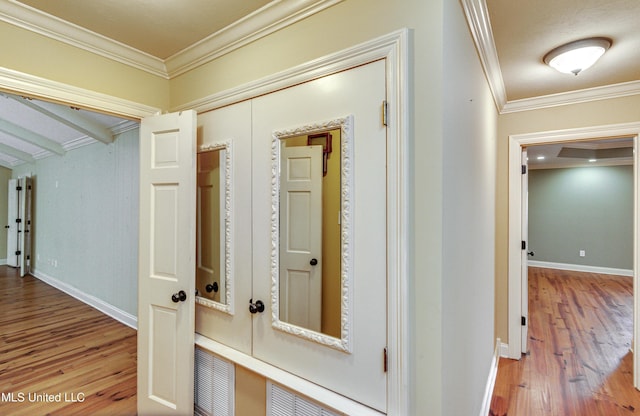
<point x="169" y="37"/>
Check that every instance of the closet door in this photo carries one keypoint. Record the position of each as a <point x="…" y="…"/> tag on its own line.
<point x="351" y="361"/>
<point x="227" y="319"/>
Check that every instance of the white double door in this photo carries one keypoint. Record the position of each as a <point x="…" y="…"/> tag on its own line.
<point x="163" y="343"/>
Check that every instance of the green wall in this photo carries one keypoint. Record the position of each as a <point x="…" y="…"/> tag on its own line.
<point x="588" y="209"/>
<point x="85" y="219"/>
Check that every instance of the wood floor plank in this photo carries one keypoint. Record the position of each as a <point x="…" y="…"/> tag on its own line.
<point x="579" y="361"/>
<point x="59" y="356"/>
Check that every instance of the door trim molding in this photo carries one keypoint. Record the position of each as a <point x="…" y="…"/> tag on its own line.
<point x="394" y="49"/>
<point x="516" y="143"/>
<point x="33" y="86"/>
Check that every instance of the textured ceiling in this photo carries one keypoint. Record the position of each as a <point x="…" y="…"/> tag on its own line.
<point x="524" y="31"/>
<point x="159" y="28"/>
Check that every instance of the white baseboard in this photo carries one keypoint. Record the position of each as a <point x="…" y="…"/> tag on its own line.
<point x="104" y="307"/>
<point x="491" y="381"/>
<point x="504" y="350"/>
<point x="581" y="268"/>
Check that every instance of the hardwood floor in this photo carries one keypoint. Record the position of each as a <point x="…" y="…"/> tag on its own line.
<point x="580" y="332"/>
<point x="59" y="356"/>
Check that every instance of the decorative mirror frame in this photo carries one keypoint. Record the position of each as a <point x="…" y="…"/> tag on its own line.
<point x="228" y="306"/>
<point x="345" y="125"/>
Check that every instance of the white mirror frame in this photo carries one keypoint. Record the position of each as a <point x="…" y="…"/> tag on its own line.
<point x="346" y="160"/>
<point x="226" y="307"/>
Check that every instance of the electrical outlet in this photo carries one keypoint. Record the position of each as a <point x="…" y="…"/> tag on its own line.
<point x="582" y="253"/>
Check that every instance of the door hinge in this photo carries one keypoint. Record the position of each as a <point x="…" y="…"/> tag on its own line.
<point x="18" y="253"/>
<point x="385" y="360"/>
<point x="385" y="110"/>
<point x="18" y="188"/>
<point x="523" y="321"/>
<point x="524" y="245"/>
<point x="524" y="169"/>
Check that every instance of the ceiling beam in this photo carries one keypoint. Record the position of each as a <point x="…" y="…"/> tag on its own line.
<point x="31" y="137"/>
<point x="18" y="154"/>
<point x="5" y="164"/>
<point x="71" y="118"/>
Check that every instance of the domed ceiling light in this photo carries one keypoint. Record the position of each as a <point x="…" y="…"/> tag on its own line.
<point x="575" y="57"/>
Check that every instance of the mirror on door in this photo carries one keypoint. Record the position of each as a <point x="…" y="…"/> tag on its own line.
<point x="311" y="232"/>
<point x="213" y="218"/>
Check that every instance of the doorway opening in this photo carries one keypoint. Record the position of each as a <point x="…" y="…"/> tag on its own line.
<point x="517" y="217"/>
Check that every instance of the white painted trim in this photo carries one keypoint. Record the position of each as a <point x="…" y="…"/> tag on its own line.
<point x="573" y="97"/>
<point x="30" y="85"/>
<point x="480" y="26"/>
<point x="375" y="49"/>
<point x="304" y="387"/>
<point x="269" y="19"/>
<point x="394" y="49"/>
<point x="504" y="350"/>
<point x="44" y="24"/>
<point x="516" y="142"/>
<point x="104" y="307"/>
<point x="3" y="262"/>
<point x="491" y="381"/>
<point x="276" y="15"/>
<point x="581" y="268"/>
<point x="479" y="23"/>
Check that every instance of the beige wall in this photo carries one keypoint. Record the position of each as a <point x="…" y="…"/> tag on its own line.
<point x="29" y="53"/>
<point x="596" y="113"/>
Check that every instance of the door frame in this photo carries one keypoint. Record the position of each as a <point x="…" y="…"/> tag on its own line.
<point x="515" y="280"/>
<point x="394" y="49"/>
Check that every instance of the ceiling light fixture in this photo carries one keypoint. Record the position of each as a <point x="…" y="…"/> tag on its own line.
<point x="575" y="57"/>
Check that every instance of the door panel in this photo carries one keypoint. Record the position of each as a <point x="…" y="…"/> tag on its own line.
<point x="359" y="92"/>
<point x="301" y="222"/>
<point x="232" y="124"/>
<point x="166" y="281"/>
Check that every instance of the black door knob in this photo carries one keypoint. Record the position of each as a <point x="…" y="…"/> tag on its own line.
<point x="531" y="253"/>
<point x="212" y="287"/>
<point x="256" y="307"/>
<point x="181" y="296"/>
<point x="313" y="262"/>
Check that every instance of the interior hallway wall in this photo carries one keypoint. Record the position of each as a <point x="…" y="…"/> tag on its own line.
<point x="85" y="219"/>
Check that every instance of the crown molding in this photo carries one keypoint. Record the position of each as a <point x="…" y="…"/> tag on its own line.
<point x="268" y="19"/>
<point x="573" y="97"/>
<point x="479" y="23"/>
<point x="44" y="24"/>
<point x="264" y="21"/>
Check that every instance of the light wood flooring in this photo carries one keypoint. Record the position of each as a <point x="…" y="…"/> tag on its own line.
<point x="59" y="356"/>
<point x="580" y="331"/>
